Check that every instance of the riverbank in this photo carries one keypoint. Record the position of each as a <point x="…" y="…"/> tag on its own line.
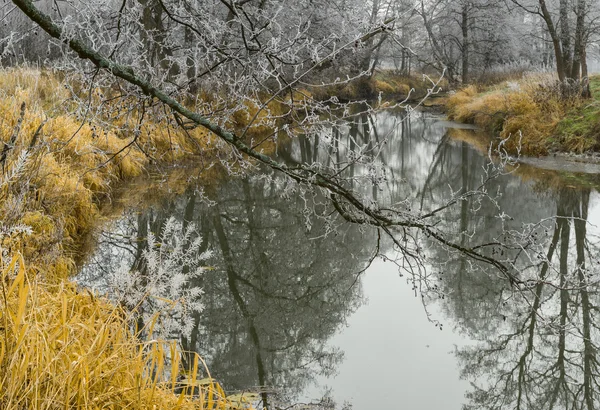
<point x="64" y="170"/>
<point x="552" y="172"/>
<point x="532" y="115"/>
<point x="60" y="347"/>
<point x="387" y="84"/>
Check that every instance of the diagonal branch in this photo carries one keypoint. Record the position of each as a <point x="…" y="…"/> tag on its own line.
<point x="342" y="197"/>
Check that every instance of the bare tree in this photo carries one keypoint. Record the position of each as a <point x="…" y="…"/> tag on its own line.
<point x="468" y="37"/>
<point x="567" y="24"/>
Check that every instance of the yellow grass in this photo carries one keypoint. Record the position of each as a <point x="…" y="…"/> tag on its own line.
<point x="61" y="348"/>
<point x="513" y="110"/>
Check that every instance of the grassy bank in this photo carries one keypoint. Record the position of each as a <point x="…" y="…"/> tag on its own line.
<point x="61" y="347"/>
<point x="388" y="84"/>
<point x="544" y="179"/>
<point x="532" y="114"/>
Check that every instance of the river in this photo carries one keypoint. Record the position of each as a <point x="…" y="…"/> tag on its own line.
<point x="299" y="306"/>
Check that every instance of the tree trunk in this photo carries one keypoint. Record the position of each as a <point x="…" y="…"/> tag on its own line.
<point x="465" y="42"/>
<point x="154" y="37"/>
<point x="437" y="49"/>
<point x="191" y="69"/>
<point x="585" y="92"/>
<point x="368" y="43"/>
<point x="565" y="37"/>
<point x="403" y="64"/>
<point x="374" y="55"/>
<point x="584" y="66"/>
<point x="579" y="49"/>
<point x="558" y="53"/>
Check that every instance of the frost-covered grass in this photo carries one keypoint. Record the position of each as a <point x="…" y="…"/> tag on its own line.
<point x="531" y="113"/>
<point x="61" y="347"/>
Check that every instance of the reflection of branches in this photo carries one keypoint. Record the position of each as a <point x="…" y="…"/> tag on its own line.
<point x="281" y="291"/>
<point x="355" y="209"/>
<point x="438" y="159"/>
<point x="231" y="280"/>
<point x="376" y="252"/>
<point x="270" y="295"/>
<point x="549" y="359"/>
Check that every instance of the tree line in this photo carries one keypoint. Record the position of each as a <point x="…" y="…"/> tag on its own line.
<point x="185" y="41"/>
<point x="202" y="62"/>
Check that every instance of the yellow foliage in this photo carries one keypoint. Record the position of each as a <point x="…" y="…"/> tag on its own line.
<point x="256" y="121"/>
<point x="391" y="87"/>
<point x="470" y="90"/>
<point x="461" y="105"/>
<point x="43" y="227"/>
<point x="403" y="89"/>
<point x="32" y="85"/>
<point x="61" y="348"/>
<point x="516" y="113"/>
<point x="71" y="163"/>
<point x="383" y="87"/>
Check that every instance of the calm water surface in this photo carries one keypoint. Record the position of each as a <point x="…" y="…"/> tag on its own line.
<point x="306" y="314"/>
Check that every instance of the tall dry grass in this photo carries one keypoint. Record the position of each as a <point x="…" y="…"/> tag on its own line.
<point x="524" y="112"/>
<point x="62" y="348"/>
<point x="69" y="167"/>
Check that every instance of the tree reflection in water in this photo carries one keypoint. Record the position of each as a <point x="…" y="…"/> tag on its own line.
<point x="536" y="344"/>
<point x="544" y="353"/>
<point x="279" y="289"/>
<point x="284" y="282"/>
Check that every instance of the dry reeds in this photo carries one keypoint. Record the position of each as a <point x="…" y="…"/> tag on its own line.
<point x="531" y="108"/>
<point x="62" y="348"/>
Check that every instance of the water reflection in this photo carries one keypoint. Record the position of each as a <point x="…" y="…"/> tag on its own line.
<point x="544" y="354"/>
<point x="285" y="280"/>
<point x="537" y="344"/>
<point x="279" y="290"/>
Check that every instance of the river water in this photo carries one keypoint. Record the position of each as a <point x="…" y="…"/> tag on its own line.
<point x="298" y="310"/>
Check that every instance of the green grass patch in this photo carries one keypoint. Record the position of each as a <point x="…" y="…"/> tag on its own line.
<point x="579" y="130"/>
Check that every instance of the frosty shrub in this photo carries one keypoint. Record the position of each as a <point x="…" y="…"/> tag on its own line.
<point x="160" y="293"/>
